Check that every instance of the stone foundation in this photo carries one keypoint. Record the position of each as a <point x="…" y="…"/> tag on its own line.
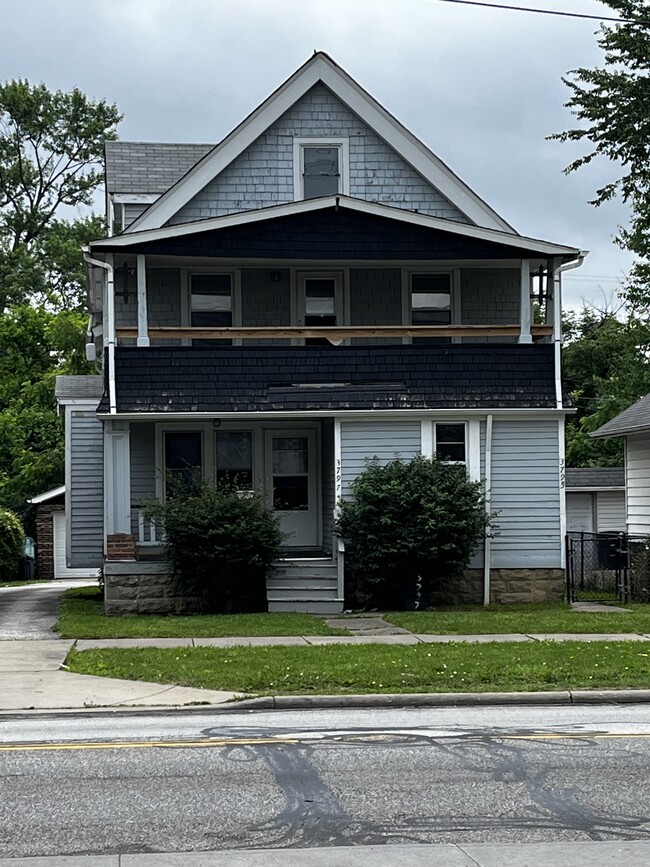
<point x="513" y="585"/>
<point x="139" y="587"/>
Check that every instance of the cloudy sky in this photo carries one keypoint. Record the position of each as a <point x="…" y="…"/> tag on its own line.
<point x="481" y="87"/>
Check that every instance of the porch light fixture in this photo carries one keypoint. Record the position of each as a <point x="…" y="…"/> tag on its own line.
<point x="126" y="272"/>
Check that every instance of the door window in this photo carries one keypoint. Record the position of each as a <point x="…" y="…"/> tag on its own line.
<point x="235" y="459"/>
<point x="211" y="304"/>
<point x="290" y="458"/>
<point x="320" y="305"/>
<point x="183" y="453"/>
<point x="431" y="303"/>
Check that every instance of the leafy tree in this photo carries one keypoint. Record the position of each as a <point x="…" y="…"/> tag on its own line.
<point x="605" y="369"/>
<point x="406" y="521"/>
<point x="613" y="105"/>
<point x="11" y="544"/>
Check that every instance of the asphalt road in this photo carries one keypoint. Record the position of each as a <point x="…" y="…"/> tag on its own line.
<point x="131" y="783"/>
<point x="30" y="612"/>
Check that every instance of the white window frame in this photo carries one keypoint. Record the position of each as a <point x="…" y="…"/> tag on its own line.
<point x="186" y="295"/>
<point x="207" y="451"/>
<point x="299" y="145"/>
<point x="464" y="463"/>
<point x="454" y="296"/>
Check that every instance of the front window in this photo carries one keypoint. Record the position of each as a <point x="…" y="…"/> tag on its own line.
<point x="290" y="456"/>
<point x="430" y="302"/>
<point x="235" y="459"/>
<point x="183" y="462"/>
<point x="449" y="443"/>
<point x="210" y="304"/>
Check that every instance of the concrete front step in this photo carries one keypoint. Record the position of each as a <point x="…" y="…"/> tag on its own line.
<point x="307" y="606"/>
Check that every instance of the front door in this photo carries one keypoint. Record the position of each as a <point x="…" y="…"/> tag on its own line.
<point x="292" y="484"/>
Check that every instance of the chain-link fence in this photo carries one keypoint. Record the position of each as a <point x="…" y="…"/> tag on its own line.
<point x="608" y="567"/>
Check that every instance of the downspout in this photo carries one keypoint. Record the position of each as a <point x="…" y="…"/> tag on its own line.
<point x="487" y="554"/>
<point x="109" y="312"/>
<point x="556" y="279"/>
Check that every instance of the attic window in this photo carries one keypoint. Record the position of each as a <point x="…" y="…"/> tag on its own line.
<point x="320" y="168"/>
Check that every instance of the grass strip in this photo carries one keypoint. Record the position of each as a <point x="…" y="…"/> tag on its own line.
<point x="342" y="669"/>
<point x="81" y="615"/>
<point x="533" y="617"/>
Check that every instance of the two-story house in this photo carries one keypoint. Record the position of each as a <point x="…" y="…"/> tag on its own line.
<point x="316" y="290"/>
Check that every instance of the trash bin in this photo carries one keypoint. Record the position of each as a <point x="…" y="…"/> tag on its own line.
<point x="27" y="567"/>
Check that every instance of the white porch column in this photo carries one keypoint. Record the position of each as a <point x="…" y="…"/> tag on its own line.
<point x="524" y="312"/>
<point x="143" y="323"/>
<point x="117" y="477"/>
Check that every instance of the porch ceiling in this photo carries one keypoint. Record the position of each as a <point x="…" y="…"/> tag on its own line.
<point x="315" y="378"/>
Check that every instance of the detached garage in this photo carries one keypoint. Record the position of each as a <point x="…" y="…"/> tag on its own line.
<point x="51" y="538"/>
<point x="595" y="500"/>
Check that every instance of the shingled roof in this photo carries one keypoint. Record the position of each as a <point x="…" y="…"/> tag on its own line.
<point x="220" y="379"/>
<point x="148" y="167"/>
<point x="595" y="477"/>
<point x="634" y="419"/>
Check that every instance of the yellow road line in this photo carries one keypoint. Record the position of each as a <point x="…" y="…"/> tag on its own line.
<point x="251" y="742"/>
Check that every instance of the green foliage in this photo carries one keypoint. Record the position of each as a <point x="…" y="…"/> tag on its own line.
<point x="220" y="544"/>
<point x="11" y="544"/>
<point x="421" y="518"/>
<point x="605" y="369"/>
<point x="611" y="104"/>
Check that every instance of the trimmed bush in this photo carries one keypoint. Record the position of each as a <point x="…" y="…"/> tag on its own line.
<point x="11" y="545"/>
<point x="410" y="530"/>
<point x="220" y="543"/>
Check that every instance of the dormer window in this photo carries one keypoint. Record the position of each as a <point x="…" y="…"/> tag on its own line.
<point x="320" y="168"/>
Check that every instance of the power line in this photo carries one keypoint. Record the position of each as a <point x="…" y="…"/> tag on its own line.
<point x="544" y="11"/>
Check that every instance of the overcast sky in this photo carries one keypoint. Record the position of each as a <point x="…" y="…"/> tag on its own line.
<point x="481" y="87"/>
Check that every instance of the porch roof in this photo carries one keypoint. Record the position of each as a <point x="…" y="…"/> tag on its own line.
<point x="315" y="378"/>
<point x="333" y="227"/>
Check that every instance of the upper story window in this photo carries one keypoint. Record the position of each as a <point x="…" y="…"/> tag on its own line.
<point x="320" y="167"/>
<point x="210" y="303"/>
<point x="449" y="443"/>
<point x="430" y="302"/>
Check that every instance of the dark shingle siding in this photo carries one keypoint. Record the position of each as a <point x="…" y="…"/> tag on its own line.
<point x="148" y="167"/>
<point x="256" y="379"/>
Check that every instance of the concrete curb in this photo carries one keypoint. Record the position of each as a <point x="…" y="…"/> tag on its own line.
<point x="333" y="702"/>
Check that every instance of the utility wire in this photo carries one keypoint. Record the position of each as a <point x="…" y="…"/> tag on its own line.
<point x="544" y="11"/>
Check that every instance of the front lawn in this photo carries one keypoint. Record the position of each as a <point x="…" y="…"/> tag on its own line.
<point x="344" y="669"/>
<point x="81" y="615"/>
<point x="534" y="617"/>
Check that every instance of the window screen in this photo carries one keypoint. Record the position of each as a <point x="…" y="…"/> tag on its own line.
<point x="321" y="171"/>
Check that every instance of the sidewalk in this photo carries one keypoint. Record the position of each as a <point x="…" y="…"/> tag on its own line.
<point x="587" y="854"/>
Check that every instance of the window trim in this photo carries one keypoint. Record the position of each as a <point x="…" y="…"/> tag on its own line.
<point x="180" y="427"/>
<point x="454" y="296"/>
<point x="299" y="144"/>
<point x="186" y="295"/>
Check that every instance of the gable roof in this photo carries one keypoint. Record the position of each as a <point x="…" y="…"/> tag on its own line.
<point x="148" y="167"/>
<point x="321" y="68"/>
<point x="305" y="206"/>
<point x="582" y="478"/>
<point x="634" y="419"/>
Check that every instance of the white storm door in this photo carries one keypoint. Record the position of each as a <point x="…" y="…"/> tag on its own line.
<point x="292" y="485"/>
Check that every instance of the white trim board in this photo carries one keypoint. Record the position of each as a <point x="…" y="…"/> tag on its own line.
<point x="321" y="68"/>
<point x="131" y="239"/>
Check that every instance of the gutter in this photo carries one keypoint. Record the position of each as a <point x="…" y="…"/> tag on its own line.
<point x="487" y="553"/>
<point x="109" y="311"/>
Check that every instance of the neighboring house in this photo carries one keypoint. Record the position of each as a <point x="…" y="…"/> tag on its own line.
<point x="51" y="538"/>
<point x="315" y="290"/>
<point x="634" y="425"/>
<point x="595" y="500"/>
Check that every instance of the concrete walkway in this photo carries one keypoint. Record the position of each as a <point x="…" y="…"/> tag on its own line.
<point x="29" y="611"/>
<point x="608" y="853"/>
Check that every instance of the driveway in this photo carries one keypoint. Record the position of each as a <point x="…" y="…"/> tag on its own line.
<point x="29" y="612"/>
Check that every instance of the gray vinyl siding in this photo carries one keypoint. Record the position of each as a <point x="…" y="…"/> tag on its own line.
<point x="489" y="296"/>
<point x="361" y="441"/>
<point x="265" y="302"/>
<point x="329" y="493"/>
<point x="263" y="174"/>
<point x="85" y="506"/>
<point x="526" y="494"/>
<point x="610" y="511"/>
<point x="637" y="482"/>
<point x="143" y="468"/>
<point x="375" y="299"/>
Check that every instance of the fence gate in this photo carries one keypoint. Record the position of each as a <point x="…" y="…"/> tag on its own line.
<point x="598" y="567"/>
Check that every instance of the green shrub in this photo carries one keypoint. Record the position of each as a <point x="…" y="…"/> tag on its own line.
<point x="11" y="544"/>
<point x="410" y="530"/>
<point x="220" y="544"/>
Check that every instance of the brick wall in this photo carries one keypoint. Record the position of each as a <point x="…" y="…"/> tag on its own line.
<point x="45" y="539"/>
